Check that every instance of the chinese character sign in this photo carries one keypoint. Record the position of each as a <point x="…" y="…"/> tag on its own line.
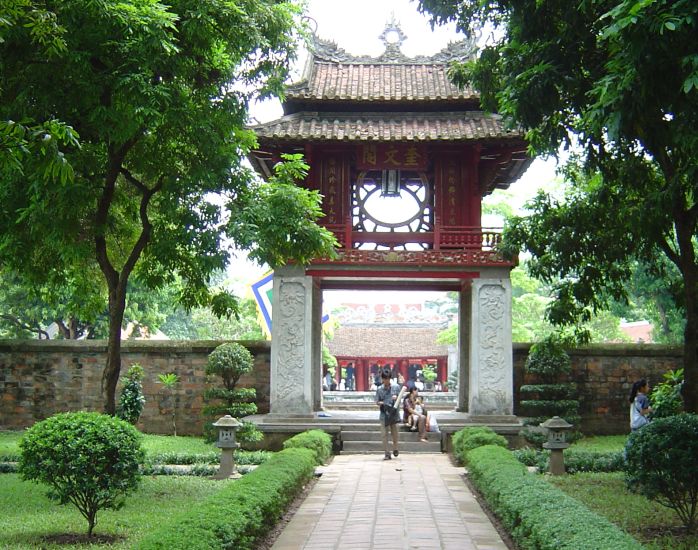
<point x="392" y="156"/>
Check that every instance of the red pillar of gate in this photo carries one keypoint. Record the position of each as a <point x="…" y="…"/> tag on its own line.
<point x="361" y="374"/>
<point x="442" y="371"/>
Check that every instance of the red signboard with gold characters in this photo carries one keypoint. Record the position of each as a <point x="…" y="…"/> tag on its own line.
<point x="392" y="156"/>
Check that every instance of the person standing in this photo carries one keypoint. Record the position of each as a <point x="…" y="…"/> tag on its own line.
<point x="639" y="404"/>
<point x="386" y="397"/>
<point x="350" y="377"/>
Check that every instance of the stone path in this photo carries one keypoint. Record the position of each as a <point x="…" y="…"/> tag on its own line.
<point x="417" y="501"/>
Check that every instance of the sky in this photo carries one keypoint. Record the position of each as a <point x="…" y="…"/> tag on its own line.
<point x="355" y="26"/>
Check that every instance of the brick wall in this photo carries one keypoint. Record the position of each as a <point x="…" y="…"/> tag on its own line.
<point x="40" y="378"/>
<point x="604" y="375"/>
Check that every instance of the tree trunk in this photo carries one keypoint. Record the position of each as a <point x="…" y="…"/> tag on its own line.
<point x="690" y="347"/>
<point x="685" y="230"/>
<point x="110" y="376"/>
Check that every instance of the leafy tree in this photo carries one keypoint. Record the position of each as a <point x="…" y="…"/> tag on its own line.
<point x="148" y="103"/>
<point x="87" y="459"/>
<point x="619" y="78"/>
<point x="202" y="324"/>
<point x="530" y="298"/>
<point x="78" y="307"/>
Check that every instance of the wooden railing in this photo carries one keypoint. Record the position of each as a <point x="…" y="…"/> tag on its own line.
<point x="444" y="238"/>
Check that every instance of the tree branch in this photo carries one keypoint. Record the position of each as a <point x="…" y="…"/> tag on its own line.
<point x="116" y="159"/>
<point x="15" y="321"/>
<point x="144" y="237"/>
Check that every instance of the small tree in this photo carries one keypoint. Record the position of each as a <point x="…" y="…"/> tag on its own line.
<point x="88" y="459"/>
<point x="132" y="400"/>
<point x="169" y="383"/>
<point x="549" y="362"/>
<point x="230" y="362"/>
<point x="661" y="463"/>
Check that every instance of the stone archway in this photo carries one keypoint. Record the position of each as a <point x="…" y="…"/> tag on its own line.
<point x="484" y="347"/>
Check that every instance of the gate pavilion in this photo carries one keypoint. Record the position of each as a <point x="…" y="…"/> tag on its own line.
<point x="372" y="130"/>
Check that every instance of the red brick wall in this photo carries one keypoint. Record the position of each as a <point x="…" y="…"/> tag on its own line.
<point x="41" y="378"/>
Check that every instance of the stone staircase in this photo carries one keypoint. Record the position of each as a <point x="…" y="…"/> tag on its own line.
<point x="367" y="439"/>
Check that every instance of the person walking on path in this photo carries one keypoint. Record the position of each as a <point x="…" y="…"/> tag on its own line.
<point x="386" y="399"/>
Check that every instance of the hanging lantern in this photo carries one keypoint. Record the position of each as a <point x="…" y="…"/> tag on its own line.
<point x="390" y="186"/>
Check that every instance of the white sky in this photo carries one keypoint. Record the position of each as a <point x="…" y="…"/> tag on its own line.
<point x="355" y="26"/>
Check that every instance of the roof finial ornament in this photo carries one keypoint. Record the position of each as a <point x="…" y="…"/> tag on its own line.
<point x="393" y="37"/>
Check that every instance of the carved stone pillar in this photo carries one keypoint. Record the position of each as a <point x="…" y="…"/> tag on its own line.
<point x="491" y="389"/>
<point x="296" y="343"/>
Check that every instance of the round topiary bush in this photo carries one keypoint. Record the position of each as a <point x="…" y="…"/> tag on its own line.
<point x="548" y="359"/>
<point x="88" y="459"/>
<point x="230" y="362"/>
<point x="661" y="462"/>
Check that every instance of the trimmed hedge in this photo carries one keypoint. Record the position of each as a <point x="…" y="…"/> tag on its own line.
<point x="212" y="457"/>
<point x="242" y="511"/>
<point x="469" y="438"/>
<point x="575" y="460"/>
<point x="316" y="440"/>
<point x="538" y="515"/>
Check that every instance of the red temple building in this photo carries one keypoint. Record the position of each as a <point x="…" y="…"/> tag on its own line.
<point x="403" y="159"/>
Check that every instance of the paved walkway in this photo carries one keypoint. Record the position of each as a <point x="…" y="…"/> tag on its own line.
<point x="362" y="502"/>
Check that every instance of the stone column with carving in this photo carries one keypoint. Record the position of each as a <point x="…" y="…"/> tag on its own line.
<point x="491" y="391"/>
<point x="295" y="344"/>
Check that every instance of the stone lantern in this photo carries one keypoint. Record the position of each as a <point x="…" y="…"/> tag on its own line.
<point x="227" y="426"/>
<point x="557" y="442"/>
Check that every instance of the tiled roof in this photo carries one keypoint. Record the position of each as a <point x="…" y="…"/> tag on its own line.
<point x="386" y="341"/>
<point x="450" y="126"/>
<point x="378" y="82"/>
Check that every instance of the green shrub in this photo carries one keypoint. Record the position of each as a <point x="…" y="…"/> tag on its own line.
<point x="575" y="460"/>
<point x="88" y="459"/>
<point x="662" y="461"/>
<point x="213" y="457"/>
<point x="554" y="391"/>
<point x="316" y="440"/>
<point x="468" y="438"/>
<point x="666" y="396"/>
<point x="231" y="361"/>
<point x="538" y="515"/>
<point x="240" y="513"/>
<point x="548" y="360"/>
<point x="131" y="399"/>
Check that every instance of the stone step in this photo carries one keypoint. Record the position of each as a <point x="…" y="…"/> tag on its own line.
<point x="375" y="435"/>
<point x="432" y="446"/>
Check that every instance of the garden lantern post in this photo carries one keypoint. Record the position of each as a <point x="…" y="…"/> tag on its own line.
<point x="557" y="442"/>
<point x="227" y="426"/>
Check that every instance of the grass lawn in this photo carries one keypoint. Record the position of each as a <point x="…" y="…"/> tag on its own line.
<point x="9" y="443"/>
<point x="153" y="444"/>
<point x="657" y="527"/>
<point x="27" y="516"/>
<point x="601" y="443"/>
